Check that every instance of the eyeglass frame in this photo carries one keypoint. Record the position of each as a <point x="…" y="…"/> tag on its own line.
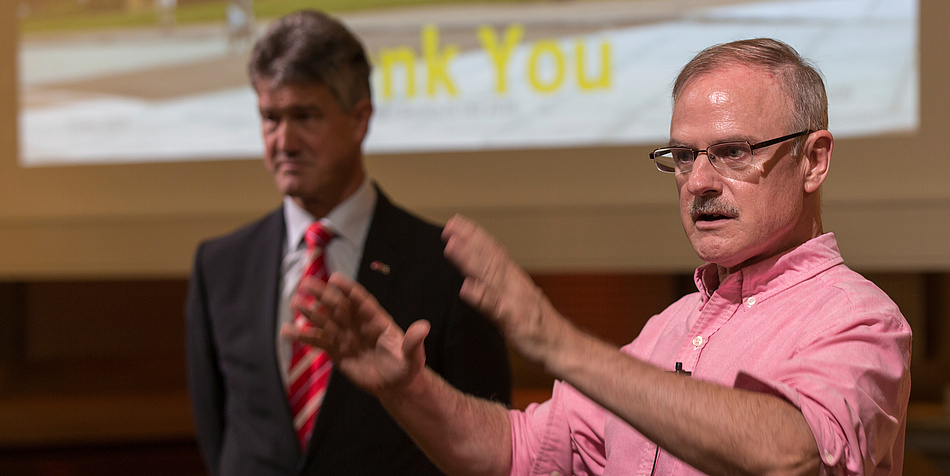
<point x="752" y="148"/>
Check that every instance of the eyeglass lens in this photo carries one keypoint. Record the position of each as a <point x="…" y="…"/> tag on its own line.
<point x="731" y="155"/>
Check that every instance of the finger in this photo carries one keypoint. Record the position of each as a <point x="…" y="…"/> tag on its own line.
<point x="311" y="286"/>
<point x="332" y="337"/>
<point x="468" y="246"/>
<point x="370" y="317"/>
<point x="413" y="344"/>
<point x="366" y="319"/>
<point x="455" y="223"/>
<point x="365" y="305"/>
<point x="481" y="297"/>
<point x="307" y="297"/>
<point x="312" y="310"/>
<point x="457" y="233"/>
<point x="415" y="335"/>
<point x="342" y="282"/>
<point x="360" y="318"/>
<point x="289" y="331"/>
<point x="338" y="307"/>
<point x="313" y="337"/>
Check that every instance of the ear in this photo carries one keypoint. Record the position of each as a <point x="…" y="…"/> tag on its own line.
<point x="362" y="112"/>
<point x="817" y="159"/>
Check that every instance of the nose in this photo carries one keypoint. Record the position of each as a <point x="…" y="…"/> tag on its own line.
<point x="285" y="137"/>
<point x="703" y="179"/>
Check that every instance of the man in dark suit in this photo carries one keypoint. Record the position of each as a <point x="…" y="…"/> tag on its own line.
<point x="311" y="77"/>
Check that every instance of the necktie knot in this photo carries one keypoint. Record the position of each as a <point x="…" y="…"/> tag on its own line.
<point x="317" y="236"/>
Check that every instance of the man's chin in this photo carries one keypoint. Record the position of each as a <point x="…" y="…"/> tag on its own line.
<point x="714" y="251"/>
<point x="289" y="184"/>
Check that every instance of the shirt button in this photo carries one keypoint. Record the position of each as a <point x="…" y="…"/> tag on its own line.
<point x="697" y="341"/>
<point x="750" y="302"/>
<point x="829" y="458"/>
<point x="555" y="473"/>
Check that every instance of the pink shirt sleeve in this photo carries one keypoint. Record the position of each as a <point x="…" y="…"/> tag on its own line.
<point x="562" y="435"/>
<point x="844" y="381"/>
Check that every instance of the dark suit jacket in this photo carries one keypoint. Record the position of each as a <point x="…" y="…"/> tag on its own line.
<point x="240" y="406"/>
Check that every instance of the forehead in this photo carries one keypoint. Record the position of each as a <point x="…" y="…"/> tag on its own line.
<point x="731" y="102"/>
<point x="277" y="95"/>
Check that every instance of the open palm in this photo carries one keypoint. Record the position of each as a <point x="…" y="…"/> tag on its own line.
<point x="361" y="338"/>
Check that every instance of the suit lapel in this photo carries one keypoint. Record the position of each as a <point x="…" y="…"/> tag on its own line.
<point x="379" y="250"/>
<point x="265" y="261"/>
<point x="268" y="262"/>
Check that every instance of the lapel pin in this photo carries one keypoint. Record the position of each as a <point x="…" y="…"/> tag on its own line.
<point x="379" y="267"/>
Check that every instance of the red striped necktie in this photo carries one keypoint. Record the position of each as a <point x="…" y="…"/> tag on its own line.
<point x="309" y="366"/>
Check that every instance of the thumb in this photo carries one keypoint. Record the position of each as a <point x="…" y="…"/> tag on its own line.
<point x="412" y="346"/>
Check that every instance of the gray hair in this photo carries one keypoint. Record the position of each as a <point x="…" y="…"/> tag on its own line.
<point x="801" y="81"/>
<point x="310" y="47"/>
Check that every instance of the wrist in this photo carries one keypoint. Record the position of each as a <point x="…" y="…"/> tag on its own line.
<point x="413" y="387"/>
<point x="573" y="352"/>
<point x="556" y="339"/>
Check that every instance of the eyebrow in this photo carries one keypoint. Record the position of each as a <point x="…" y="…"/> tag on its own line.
<point x="296" y="108"/>
<point x="676" y="143"/>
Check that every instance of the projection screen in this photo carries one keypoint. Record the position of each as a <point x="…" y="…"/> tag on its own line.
<point x="452" y="77"/>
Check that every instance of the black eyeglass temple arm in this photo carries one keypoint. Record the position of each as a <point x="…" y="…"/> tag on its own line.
<point x="781" y="139"/>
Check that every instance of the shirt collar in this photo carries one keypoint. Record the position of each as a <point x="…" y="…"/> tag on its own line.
<point x="774" y="274"/>
<point x="349" y="220"/>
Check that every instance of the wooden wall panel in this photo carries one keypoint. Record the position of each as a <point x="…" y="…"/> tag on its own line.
<point x="102" y="362"/>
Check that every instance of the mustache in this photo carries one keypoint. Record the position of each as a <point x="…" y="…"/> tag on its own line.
<point x="712" y="206"/>
<point x="283" y="155"/>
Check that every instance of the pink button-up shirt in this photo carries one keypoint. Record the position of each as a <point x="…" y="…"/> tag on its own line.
<point x="801" y="326"/>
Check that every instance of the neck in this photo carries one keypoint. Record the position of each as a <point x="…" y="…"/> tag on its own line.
<point x="321" y="206"/>
<point x="811" y="228"/>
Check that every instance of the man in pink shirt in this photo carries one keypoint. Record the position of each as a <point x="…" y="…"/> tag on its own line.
<point x="784" y="361"/>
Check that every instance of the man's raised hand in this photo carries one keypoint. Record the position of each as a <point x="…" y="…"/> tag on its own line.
<point x="360" y="337"/>
<point x="497" y="286"/>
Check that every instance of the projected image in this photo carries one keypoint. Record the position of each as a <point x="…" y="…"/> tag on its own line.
<point x="164" y="80"/>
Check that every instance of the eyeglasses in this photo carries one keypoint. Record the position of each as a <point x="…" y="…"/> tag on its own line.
<point x="726" y="155"/>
